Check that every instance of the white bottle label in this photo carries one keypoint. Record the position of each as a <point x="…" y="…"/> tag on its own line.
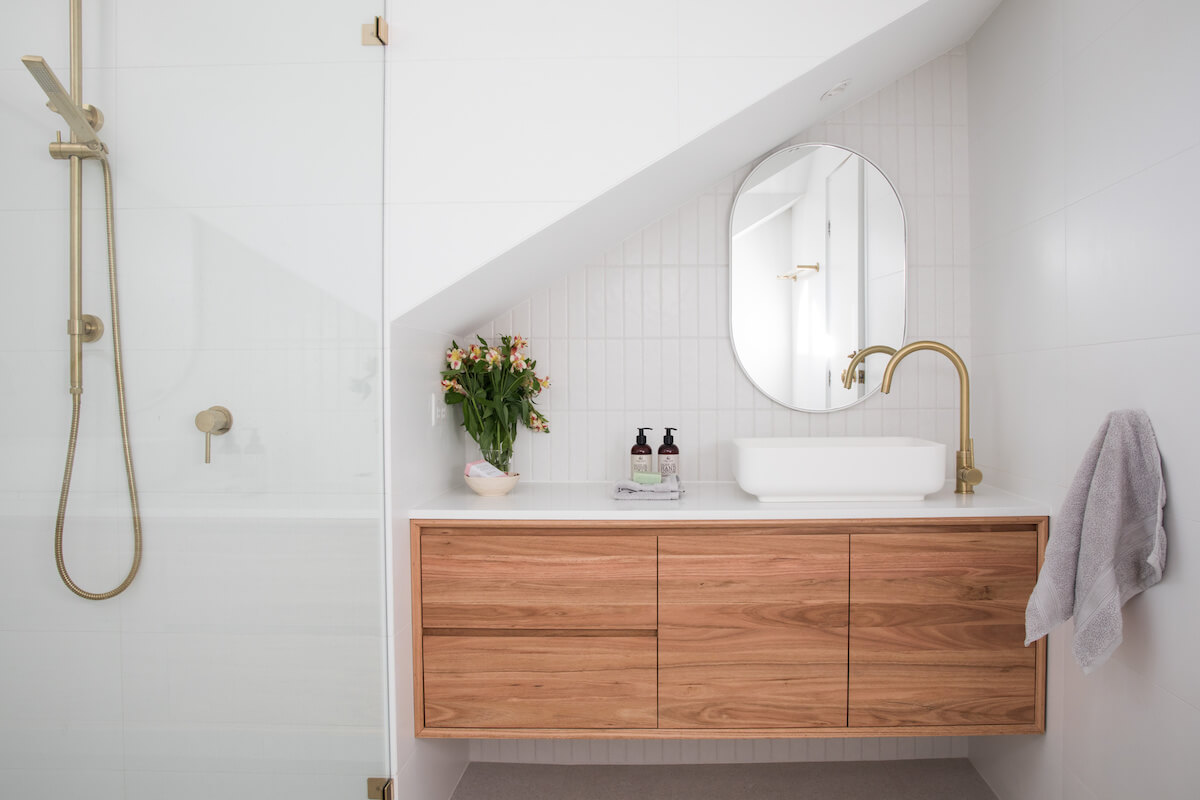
<point x="639" y="462"/>
<point x="668" y="464"/>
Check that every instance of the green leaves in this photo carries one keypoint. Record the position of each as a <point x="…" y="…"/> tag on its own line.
<point x="496" y="387"/>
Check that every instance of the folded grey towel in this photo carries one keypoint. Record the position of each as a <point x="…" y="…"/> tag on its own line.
<point x="669" y="489"/>
<point x="1108" y="544"/>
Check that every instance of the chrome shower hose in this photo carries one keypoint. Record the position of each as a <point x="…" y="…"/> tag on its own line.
<point x="76" y="397"/>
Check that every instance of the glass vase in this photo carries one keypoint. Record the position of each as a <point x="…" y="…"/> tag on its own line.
<point x="498" y="457"/>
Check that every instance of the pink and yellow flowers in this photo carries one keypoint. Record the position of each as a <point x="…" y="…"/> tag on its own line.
<point x="495" y="385"/>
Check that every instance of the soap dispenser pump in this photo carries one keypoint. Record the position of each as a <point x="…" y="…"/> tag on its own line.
<point x="668" y="454"/>
<point x="640" y="454"/>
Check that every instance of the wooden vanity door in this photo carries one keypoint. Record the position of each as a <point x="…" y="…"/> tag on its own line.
<point x="752" y="630"/>
<point x="937" y="628"/>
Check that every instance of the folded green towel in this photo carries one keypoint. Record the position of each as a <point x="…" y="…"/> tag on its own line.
<point x="647" y="477"/>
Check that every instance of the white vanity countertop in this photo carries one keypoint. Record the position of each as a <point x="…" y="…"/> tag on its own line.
<point x="710" y="501"/>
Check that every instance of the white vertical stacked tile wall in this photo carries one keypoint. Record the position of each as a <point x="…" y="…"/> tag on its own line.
<point x="714" y="751"/>
<point x="640" y="337"/>
<point x="1085" y="157"/>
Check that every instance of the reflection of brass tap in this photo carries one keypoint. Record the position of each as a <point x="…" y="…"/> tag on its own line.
<point x="965" y="473"/>
<point x="849" y="374"/>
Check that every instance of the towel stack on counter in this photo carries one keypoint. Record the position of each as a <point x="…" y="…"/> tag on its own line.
<point x="668" y="488"/>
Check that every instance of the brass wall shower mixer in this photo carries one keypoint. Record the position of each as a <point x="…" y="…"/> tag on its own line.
<point x="84" y="122"/>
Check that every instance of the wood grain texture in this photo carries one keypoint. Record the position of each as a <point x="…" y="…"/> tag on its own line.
<point x="752" y="630"/>
<point x="531" y="682"/>
<point x="951" y="606"/>
<point x="538" y="581"/>
<point x="937" y="628"/>
<point x="729" y="733"/>
<point x="414" y="557"/>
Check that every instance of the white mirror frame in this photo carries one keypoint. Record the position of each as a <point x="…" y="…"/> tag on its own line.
<point x="904" y="277"/>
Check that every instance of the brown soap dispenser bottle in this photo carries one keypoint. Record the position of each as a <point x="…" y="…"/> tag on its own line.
<point x="668" y="455"/>
<point x="640" y="454"/>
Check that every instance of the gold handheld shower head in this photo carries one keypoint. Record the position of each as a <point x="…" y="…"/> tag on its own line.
<point x="84" y="121"/>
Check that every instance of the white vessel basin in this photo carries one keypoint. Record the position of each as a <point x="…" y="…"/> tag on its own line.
<point x="839" y="468"/>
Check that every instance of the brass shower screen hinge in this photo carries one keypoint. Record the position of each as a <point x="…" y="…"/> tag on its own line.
<point x="379" y="789"/>
<point x="375" y="33"/>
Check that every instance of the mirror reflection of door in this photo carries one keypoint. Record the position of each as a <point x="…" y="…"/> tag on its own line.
<point x="792" y="325"/>
<point x="843" y="279"/>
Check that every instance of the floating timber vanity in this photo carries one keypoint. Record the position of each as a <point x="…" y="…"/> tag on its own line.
<point x="556" y="612"/>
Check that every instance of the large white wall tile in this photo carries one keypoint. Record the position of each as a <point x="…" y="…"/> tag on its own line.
<point x="780" y="27"/>
<point x="236" y="32"/>
<point x="1130" y="273"/>
<point x="93" y="784"/>
<point x="1017" y="163"/>
<point x="512" y="130"/>
<point x="60" y="701"/>
<point x="43" y="29"/>
<point x="1144" y="66"/>
<point x="712" y="90"/>
<point x="535" y="29"/>
<point x="1022" y="44"/>
<point x="1020" y="289"/>
<point x="426" y="238"/>
<point x="263" y="149"/>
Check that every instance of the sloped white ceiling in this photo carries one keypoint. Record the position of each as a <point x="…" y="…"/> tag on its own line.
<point x="506" y="188"/>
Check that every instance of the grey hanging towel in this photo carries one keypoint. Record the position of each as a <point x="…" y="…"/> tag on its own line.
<point x="1108" y="544"/>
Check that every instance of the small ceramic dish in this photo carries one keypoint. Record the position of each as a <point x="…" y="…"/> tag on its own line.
<point x="493" y="487"/>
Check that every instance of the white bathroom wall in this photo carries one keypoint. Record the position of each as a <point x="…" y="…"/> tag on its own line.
<point x="1085" y="155"/>
<point x="248" y="658"/>
<point x="517" y="113"/>
<point x="424" y="462"/>
<point x="640" y="337"/>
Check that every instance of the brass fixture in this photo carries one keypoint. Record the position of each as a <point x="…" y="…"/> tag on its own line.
<point x="797" y="271"/>
<point x="966" y="476"/>
<point x="375" y="33"/>
<point x="379" y="789"/>
<point x="213" y="421"/>
<point x="84" y="121"/>
<point x="849" y="375"/>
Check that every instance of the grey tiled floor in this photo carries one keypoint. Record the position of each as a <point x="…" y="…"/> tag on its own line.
<point x="934" y="779"/>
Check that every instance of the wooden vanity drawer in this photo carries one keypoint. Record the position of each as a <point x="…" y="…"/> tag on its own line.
<point x="508" y="681"/>
<point x="530" y="581"/>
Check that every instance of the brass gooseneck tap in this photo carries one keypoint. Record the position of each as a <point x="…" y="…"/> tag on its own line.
<point x="966" y="476"/>
<point x="850" y="373"/>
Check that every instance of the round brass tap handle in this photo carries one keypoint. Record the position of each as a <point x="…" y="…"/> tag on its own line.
<point x="970" y="476"/>
<point x="213" y="421"/>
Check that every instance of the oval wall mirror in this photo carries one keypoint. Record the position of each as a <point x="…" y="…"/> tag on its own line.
<point x="816" y="272"/>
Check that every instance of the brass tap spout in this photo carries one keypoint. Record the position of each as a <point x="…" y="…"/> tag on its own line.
<point x="850" y="373"/>
<point x="966" y="476"/>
